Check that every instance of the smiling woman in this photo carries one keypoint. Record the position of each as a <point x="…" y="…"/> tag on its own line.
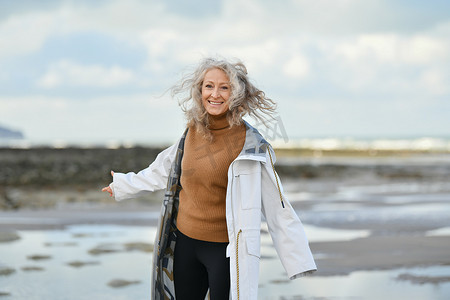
<point x="219" y="178"/>
<point x="221" y="81"/>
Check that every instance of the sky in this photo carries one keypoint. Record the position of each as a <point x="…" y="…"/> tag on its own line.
<point x="96" y="71"/>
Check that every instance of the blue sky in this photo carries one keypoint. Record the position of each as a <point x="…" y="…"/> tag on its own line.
<point x="98" y="70"/>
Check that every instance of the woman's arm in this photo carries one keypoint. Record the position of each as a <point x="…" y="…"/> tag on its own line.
<point x="154" y="177"/>
<point x="285" y="227"/>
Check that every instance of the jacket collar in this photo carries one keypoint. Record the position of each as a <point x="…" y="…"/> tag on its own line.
<point x="255" y="146"/>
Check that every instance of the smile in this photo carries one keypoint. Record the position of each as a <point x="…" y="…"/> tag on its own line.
<point x="214" y="103"/>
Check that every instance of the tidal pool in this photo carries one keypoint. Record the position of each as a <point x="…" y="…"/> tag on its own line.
<point x="72" y="271"/>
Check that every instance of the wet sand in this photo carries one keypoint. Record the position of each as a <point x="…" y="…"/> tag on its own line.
<point x="394" y="211"/>
<point x="400" y="245"/>
<point x="381" y="253"/>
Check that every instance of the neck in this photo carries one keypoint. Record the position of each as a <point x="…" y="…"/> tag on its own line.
<point x="218" y="122"/>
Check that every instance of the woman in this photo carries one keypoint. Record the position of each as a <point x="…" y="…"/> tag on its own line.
<point x="219" y="177"/>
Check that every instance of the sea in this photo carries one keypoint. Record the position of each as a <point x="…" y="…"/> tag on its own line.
<point x="330" y="143"/>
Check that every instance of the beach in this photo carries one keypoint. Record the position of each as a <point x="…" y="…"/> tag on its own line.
<point x="379" y="228"/>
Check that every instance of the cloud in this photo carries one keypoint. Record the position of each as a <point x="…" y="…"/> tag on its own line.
<point x="389" y="63"/>
<point x="344" y="17"/>
<point x="66" y="73"/>
<point x="436" y="81"/>
<point x="24" y="34"/>
<point x="392" y="48"/>
<point x="297" y="66"/>
<point x="24" y="31"/>
<point x="341" y="52"/>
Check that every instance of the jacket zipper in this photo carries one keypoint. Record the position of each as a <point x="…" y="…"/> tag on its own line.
<point x="240" y="230"/>
<point x="237" y="261"/>
<point x="276" y="178"/>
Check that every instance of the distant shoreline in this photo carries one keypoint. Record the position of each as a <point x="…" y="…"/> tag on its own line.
<point x="280" y="150"/>
<point x="77" y="174"/>
<point x="47" y="167"/>
<point x="333" y="144"/>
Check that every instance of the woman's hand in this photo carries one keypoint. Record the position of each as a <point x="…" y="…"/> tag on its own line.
<point x="108" y="188"/>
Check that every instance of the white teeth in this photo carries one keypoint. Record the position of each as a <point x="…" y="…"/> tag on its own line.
<point x="212" y="102"/>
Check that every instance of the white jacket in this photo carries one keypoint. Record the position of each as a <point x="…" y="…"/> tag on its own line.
<point x="253" y="187"/>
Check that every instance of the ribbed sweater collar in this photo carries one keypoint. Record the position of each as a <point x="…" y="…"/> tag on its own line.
<point x="218" y="122"/>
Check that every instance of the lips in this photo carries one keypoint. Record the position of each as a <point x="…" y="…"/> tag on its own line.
<point x="214" y="102"/>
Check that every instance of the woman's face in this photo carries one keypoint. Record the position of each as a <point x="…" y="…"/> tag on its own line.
<point x="216" y="91"/>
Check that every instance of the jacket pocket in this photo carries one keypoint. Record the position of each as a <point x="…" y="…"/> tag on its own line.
<point x="250" y="190"/>
<point x="248" y="177"/>
<point x="253" y="245"/>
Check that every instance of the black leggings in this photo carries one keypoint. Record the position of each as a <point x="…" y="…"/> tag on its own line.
<point x="199" y="265"/>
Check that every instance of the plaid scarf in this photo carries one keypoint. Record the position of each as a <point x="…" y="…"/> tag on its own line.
<point x="163" y="254"/>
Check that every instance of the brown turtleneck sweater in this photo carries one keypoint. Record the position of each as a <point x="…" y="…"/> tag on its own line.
<point x="204" y="178"/>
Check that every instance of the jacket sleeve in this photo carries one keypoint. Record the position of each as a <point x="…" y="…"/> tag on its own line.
<point x="154" y="177"/>
<point x="285" y="227"/>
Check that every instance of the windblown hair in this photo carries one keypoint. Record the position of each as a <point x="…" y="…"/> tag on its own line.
<point x="244" y="99"/>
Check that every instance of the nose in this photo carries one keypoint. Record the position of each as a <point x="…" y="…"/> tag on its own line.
<point x="215" y="93"/>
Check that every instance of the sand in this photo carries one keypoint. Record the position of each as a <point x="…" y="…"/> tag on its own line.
<point x="401" y="204"/>
<point x="373" y="252"/>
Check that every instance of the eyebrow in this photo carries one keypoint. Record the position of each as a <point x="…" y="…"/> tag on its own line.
<point x="223" y="82"/>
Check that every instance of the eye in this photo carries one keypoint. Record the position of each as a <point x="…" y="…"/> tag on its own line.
<point x="224" y="87"/>
<point x="208" y="86"/>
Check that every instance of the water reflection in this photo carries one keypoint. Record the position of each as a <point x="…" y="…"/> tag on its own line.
<point x="58" y="279"/>
<point x="368" y="285"/>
